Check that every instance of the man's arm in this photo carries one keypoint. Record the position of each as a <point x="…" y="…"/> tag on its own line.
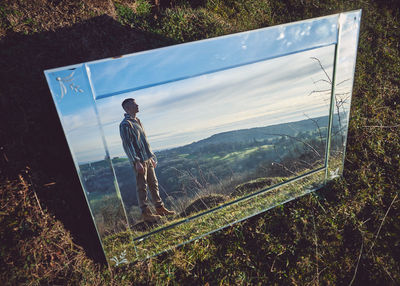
<point x="127" y="142"/>
<point x="153" y="156"/>
<point x="154" y="161"/>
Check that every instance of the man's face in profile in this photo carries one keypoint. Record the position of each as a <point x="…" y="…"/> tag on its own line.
<point x="132" y="107"/>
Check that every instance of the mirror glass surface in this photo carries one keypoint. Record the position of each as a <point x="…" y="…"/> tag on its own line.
<point x="234" y="126"/>
<point x="221" y="136"/>
<point x="343" y="83"/>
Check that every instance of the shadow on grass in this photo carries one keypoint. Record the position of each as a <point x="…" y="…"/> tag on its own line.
<point x="32" y="139"/>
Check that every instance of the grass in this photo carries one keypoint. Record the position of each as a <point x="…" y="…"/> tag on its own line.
<point x="168" y="238"/>
<point x="231" y="157"/>
<point x="106" y="213"/>
<point x="345" y="233"/>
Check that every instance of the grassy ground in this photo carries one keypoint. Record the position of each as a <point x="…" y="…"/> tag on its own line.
<point x="197" y="227"/>
<point x="347" y="233"/>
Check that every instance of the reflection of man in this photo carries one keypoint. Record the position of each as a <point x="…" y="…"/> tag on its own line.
<point x="143" y="161"/>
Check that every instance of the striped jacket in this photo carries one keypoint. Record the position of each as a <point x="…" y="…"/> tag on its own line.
<point x="134" y="140"/>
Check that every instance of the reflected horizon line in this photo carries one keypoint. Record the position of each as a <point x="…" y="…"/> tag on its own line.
<point x="81" y="163"/>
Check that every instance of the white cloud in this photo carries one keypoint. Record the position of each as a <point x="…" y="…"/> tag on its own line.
<point x="85" y="119"/>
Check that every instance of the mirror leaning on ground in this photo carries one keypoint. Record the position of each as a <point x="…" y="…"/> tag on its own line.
<point x="210" y="133"/>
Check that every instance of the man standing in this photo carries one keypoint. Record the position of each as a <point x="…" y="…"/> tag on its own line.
<point x="143" y="161"/>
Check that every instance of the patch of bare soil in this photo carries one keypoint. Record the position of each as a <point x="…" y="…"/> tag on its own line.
<point x="255" y="185"/>
<point x="203" y="203"/>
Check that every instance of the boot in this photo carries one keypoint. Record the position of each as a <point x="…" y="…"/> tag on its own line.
<point x="163" y="211"/>
<point x="148" y="216"/>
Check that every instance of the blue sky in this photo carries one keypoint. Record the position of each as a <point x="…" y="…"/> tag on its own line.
<point x="185" y="111"/>
<point x="260" y="94"/>
<point x="190" y="104"/>
<point x="192" y="59"/>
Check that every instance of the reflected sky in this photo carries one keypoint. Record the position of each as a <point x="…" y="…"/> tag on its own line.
<point x="256" y="95"/>
<point x="198" y="89"/>
<point x="168" y="64"/>
<point x="348" y="50"/>
<point x="179" y="113"/>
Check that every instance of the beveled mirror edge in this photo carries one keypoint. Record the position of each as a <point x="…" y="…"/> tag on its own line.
<point x="359" y="14"/>
<point x="330" y="174"/>
<point x="187" y="43"/>
<point x="74" y="159"/>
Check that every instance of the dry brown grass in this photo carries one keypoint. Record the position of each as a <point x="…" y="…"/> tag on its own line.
<point x="40" y="15"/>
<point x="35" y="244"/>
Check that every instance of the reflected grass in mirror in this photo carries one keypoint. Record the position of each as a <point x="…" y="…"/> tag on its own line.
<point x="211" y="222"/>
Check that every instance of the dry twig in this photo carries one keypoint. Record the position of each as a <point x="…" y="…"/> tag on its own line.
<point x="383" y="220"/>
<point x="358" y="261"/>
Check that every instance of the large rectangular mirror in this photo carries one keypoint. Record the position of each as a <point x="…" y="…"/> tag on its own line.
<point x="174" y="143"/>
